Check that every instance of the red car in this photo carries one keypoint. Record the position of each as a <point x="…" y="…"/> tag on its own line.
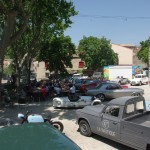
<point x="82" y="88"/>
<point x="93" y="84"/>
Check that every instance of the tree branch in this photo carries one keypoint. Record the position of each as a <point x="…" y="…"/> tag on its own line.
<point x="22" y="29"/>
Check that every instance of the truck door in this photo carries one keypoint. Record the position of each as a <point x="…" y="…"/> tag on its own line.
<point x="109" y="122"/>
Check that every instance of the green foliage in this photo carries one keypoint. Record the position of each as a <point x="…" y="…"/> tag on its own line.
<point x="143" y="53"/>
<point x="38" y="21"/>
<point x="96" y="52"/>
<point x="8" y="70"/>
<point x="58" y="53"/>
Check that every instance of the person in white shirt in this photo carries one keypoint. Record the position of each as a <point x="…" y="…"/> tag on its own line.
<point x="72" y="92"/>
<point x="72" y="89"/>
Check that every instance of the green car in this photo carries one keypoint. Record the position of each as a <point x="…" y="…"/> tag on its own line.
<point x="34" y="136"/>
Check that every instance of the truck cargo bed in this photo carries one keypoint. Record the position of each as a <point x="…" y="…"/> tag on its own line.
<point x="143" y="119"/>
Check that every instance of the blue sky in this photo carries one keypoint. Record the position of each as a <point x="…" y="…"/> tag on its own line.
<point x="99" y="18"/>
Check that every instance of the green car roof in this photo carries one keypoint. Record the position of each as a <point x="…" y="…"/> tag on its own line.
<point x="34" y="136"/>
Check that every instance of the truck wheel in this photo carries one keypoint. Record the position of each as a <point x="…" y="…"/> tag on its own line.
<point x="101" y="97"/>
<point x="84" y="128"/>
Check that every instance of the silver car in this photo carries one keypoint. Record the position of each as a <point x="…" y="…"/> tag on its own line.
<point x="110" y="90"/>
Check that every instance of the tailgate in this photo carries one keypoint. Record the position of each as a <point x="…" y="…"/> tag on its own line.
<point x="134" y="134"/>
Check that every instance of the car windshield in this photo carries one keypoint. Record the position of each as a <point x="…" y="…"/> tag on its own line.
<point x="138" y="76"/>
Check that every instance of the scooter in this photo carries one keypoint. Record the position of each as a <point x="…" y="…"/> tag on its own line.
<point x="36" y="118"/>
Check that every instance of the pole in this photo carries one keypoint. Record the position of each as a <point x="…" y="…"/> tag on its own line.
<point x="149" y="60"/>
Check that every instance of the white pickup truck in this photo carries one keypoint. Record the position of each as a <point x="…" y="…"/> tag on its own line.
<point x="139" y="79"/>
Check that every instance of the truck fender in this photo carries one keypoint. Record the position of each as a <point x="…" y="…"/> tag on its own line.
<point x="83" y="119"/>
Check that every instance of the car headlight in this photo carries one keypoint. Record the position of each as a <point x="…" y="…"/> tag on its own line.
<point x="58" y="103"/>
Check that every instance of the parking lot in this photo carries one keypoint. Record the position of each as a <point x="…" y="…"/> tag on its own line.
<point x="68" y="118"/>
<point x="95" y="142"/>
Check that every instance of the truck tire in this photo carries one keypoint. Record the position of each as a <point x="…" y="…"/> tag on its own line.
<point x="101" y="97"/>
<point x="85" y="128"/>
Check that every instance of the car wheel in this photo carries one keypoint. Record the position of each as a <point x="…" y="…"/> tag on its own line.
<point x="140" y="83"/>
<point x="84" y="128"/>
<point x="101" y="97"/>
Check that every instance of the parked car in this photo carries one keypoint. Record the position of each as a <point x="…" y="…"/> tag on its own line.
<point x="93" y="83"/>
<point x="79" y="82"/>
<point x="77" y="101"/>
<point x="108" y="90"/>
<point x="124" y="120"/>
<point x="34" y="136"/>
<point x="139" y="79"/>
<point x="121" y="80"/>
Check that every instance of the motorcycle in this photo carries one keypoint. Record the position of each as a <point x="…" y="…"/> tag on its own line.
<point x="36" y="118"/>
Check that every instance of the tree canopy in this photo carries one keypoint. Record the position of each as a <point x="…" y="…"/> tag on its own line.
<point x="96" y="52"/>
<point x="57" y="53"/>
<point x="143" y="52"/>
<point x="36" y="21"/>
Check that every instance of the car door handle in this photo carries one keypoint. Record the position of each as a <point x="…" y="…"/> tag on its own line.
<point x="115" y="123"/>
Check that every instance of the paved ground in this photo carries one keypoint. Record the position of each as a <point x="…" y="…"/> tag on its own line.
<point x="67" y="117"/>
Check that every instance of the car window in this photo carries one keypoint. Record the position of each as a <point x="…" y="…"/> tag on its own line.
<point x="100" y="85"/>
<point x="129" y="110"/>
<point x="112" y="110"/>
<point x="138" y="76"/>
<point x="118" y="86"/>
<point x="139" y="105"/>
<point x="115" y="86"/>
<point x="109" y="87"/>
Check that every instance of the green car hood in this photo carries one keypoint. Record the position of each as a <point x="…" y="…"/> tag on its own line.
<point x="34" y="136"/>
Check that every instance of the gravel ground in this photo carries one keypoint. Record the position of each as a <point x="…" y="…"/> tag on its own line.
<point x="68" y="118"/>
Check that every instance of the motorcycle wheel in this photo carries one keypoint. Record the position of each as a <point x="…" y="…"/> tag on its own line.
<point x="58" y="125"/>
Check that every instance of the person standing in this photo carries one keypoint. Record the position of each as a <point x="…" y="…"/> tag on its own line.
<point x="72" y="90"/>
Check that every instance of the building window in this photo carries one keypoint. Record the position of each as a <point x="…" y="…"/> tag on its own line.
<point x="81" y="64"/>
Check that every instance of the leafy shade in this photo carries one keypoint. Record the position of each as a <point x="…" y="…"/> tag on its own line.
<point x="96" y="52"/>
<point x="143" y="53"/>
<point x="58" y="54"/>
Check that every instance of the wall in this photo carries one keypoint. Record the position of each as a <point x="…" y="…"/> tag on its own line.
<point x="125" y="55"/>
